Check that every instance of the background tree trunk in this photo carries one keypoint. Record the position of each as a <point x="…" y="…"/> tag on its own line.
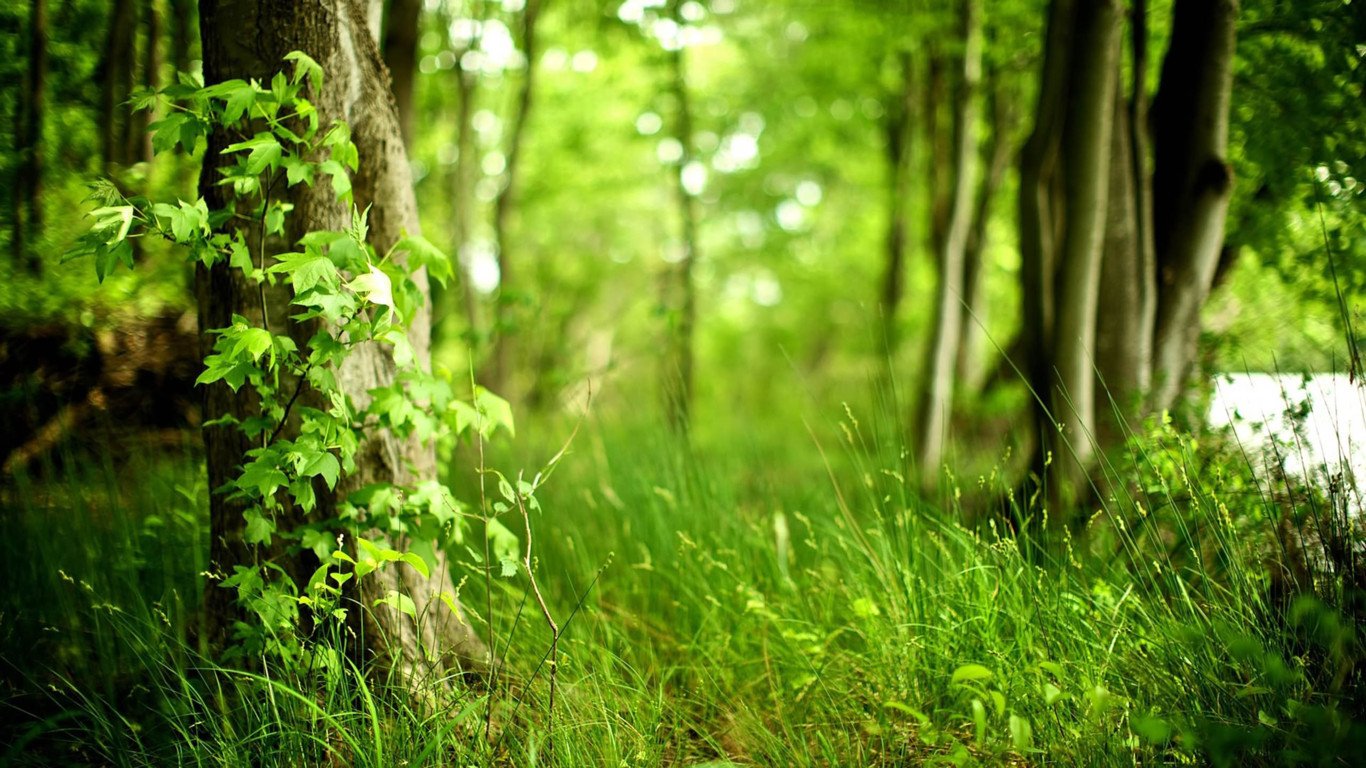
<point x="28" y="129"/>
<point x="141" y="143"/>
<point x="898" y="130"/>
<point x="503" y="206"/>
<point x="1192" y="180"/>
<point x="678" y="366"/>
<point x="937" y="403"/>
<point x="249" y="38"/>
<point x="116" y="73"/>
<point x="401" y="20"/>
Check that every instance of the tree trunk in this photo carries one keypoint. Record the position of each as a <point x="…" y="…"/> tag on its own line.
<point x="678" y="367"/>
<point x="400" y="54"/>
<point x="1000" y="153"/>
<point x="182" y="33"/>
<point x="502" y="210"/>
<point x="937" y="403"/>
<point x="1039" y="217"/>
<point x="1192" y="181"/>
<point x="897" y="126"/>
<point x="462" y="197"/>
<point x="1128" y="292"/>
<point x="246" y="39"/>
<point x="141" y="141"/>
<point x="116" y="73"/>
<point x="1086" y="187"/>
<point x="28" y="140"/>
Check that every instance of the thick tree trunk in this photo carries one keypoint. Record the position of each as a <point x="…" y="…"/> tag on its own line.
<point x="116" y="74"/>
<point x="1192" y="182"/>
<point x="678" y="367"/>
<point x="898" y="130"/>
<point x="502" y="207"/>
<point x="1123" y="353"/>
<point x="249" y="38"/>
<point x="937" y="402"/>
<point x="400" y="54"/>
<point x="1086" y="183"/>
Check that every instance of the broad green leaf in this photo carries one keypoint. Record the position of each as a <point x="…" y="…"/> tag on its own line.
<point x="417" y="563"/>
<point x="326" y="465"/>
<point x="969" y="672"/>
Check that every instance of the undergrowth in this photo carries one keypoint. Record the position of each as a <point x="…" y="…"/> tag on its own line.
<point x="728" y="605"/>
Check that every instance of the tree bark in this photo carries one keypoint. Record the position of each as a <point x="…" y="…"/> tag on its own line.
<point x="1086" y="188"/>
<point x="938" y="398"/>
<point x="249" y="38"/>
<point x="1192" y="181"/>
<point x="400" y="54"/>
<point x="182" y="33"/>
<point x="503" y="206"/>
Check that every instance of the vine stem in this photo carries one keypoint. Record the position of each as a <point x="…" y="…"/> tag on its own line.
<point x="554" y="630"/>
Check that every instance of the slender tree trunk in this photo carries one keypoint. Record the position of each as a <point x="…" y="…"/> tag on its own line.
<point x="151" y="77"/>
<point x="678" y="370"/>
<point x="503" y="206"/>
<point x="116" y="72"/>
<point x="462" y="197"/>
<point x="1086" y="182"/>
<point x="249" y="38"/>
<point x="182" y="33"/>
<point x="400" y="54"/>
<point x="1039" y="216"/>
<point x="1000" y="154"/>
<point x="28" y="140"/>
<point x="937" y="404"/>
<point x="939" y="139"/>
<point x="898" y="129"/>
<point x="1192" y="181"/>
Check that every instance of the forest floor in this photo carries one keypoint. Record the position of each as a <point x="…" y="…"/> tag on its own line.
<point x="753" y="602"/>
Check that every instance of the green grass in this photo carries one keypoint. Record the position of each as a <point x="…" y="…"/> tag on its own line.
<point x="738" y="603"/>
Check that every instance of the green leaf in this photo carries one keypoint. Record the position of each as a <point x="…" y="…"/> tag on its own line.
<point x="305" y="66"/>
<point x="326" y="465"/>
<point x="417" y="563"/>
<point x="259" y="528"/>
<point x="403" y="348"/>
<point x="1021" y="733"/>
<point x="969" y="672"/>
<point x="306" y="270"/>
<point x="422" y="253"/>
<point x="399" y="601"/>
<point x="375" y="287"/>
<point x="509" y="567"/>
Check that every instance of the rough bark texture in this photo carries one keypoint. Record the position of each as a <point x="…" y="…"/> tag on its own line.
<point x="249" y="38"/>
<point x="400" y="54"/>
<point x="1192" y="181"/>
<point x="938" y="398"/>
<point x="503" y="206"/>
